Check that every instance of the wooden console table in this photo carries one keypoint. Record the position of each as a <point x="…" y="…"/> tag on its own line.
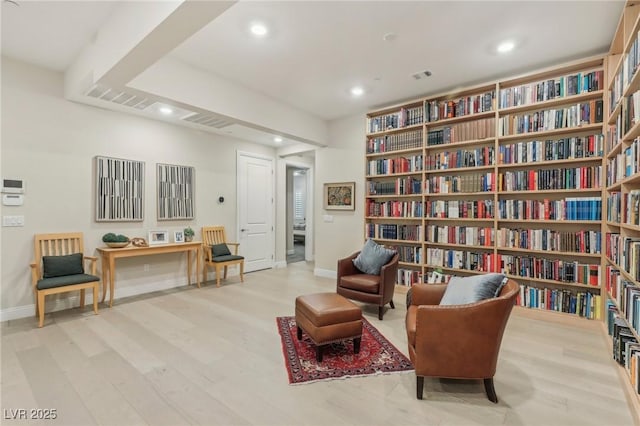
<point x="109" y="256"/>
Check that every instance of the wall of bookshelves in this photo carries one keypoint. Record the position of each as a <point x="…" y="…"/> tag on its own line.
<point x="622" y="209"/>
<point x="506" y="176"/>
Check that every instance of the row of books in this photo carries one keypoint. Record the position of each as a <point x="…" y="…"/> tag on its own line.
<point x="549" y="150"/>
<point x="614" y="134"/>
<point x="388" y="166"/>
<point x="400" y="186"/>
<point x="461" y="158"/>
<point x="395" y="142"/>
<point x="460" y="132"/>
<point x="459" y="259"/>
<point x="625" y="346"/>
<point x="625" y="252"/>
<point x="551" y="119"/>
<point x="394" y="208"/>
<point x="625" y="164"/>
<point x="566" y="271"/>
<point x="614" y="207"/>
<point x="581" y="303"/>
<point x="570" y="208"/>
<point x="631" y="110"/>
<point x="475" y="182"/>
<point x="402" y="118"/>
<point x="454" y="209"/>
<point x="408" y="254"/>
<point x="408" y="277"/>
<point x="549" y="179"/>
<point x="625" y="293"/>
<point x="546" y="90"/>
<point x="550" y="240"/>
<point x="450" y="108"/>
<point x="632" y="208"/>
<point x="467" y="235"/>
<point x="393" y="231"/>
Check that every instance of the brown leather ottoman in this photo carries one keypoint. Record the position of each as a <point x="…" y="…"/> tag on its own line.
<point x="328" y="318"/>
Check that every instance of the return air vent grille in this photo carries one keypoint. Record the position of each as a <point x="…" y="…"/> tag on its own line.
<point x="208" y="120"/>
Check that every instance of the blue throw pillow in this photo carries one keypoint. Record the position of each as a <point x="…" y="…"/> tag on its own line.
<point x="463" y="290"/>
<point x="58" y="266"/>
<point x="372" y="258"/>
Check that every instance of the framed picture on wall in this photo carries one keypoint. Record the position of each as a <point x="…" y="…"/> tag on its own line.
<point x="339" y="196"/>
<point x="119" y="189"/>
<point x="175" y="192"/>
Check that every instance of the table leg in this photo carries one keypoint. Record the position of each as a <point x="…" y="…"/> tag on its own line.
<point x="189" y="267"/>
<point x="198" y="259"/>
<point x="105" y="267"/>
<point x="112" y="273"/>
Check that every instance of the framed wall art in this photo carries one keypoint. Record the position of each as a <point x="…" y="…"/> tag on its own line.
<point x="119" y="189"/>
<point x="339" y="196"/>
<point x="175" y="192"/>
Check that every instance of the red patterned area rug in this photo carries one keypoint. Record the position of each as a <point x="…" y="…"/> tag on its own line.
<point x="377" y="355"/>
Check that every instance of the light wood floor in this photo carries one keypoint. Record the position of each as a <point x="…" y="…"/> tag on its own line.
<point x="213" y="356"/>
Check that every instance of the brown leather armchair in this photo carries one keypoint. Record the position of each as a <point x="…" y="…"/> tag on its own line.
<point x="456" y="341"/>
<point x="377" y="289"/>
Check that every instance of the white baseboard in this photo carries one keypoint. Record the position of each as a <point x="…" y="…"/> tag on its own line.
<point x="326" y="273"/>
<point x="74" y="301"/>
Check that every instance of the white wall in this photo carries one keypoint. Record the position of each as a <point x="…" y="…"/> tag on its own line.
<point x="50" y="143"/>
<point x="342" y="161"/>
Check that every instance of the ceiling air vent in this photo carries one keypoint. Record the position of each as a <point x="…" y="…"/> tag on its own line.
<point x="208" y="120"/>
<point x="422" y="74"/>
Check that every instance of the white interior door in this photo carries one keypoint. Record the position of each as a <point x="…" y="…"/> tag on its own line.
<point x="255" y="211"/>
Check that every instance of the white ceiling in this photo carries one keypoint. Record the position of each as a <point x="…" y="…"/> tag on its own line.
<point x="317" y="50"/>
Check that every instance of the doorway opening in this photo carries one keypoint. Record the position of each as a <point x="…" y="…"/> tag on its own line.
<point x="297" y="224"/>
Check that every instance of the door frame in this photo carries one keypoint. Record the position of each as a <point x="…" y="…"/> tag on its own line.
<point x="271" y="159"/>
<point x="309" y="241"/>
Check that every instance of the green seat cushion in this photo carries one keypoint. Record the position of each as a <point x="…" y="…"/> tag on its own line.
<point x="66" y="280"/>
<point x="58" y="266"/>
<point x="220" y="250"/>
<point x="463" y="290"/>
<point x="372" y="258"/>
<point x="226" y="258"/>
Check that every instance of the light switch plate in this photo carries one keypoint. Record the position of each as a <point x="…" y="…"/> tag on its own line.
<point x="13" y="220"/>
<point x="328" y="218"/>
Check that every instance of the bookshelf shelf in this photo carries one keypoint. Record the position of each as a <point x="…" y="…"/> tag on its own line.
<point x="454" y="145"/>
<point x="633" y="228"/>
<point x="617" y="149"/>
<point x="614" y="112"/>
<point x="468" y="117"/>
<point x="459" y="219"/>
<point x="395" y="130"/>
<point x="394" y="153"/>
<point x="392" y="218"/>
<point x="409" y="264"/>
<point x="465" y="246"/>
<point x="553" y="102"/>
<point x="550" y="133"/>
<point x="460" y="194"/>
<point x="459" y="169"/>
<point x="552" y="222"/>
<point x="553" y="282"/>
<point x="551" y="162"/>
<point x="391" y="175"/>
<point x="394" y="195"/>
<point x="547" y="252"/>
<point x="633" y="133"/>
<point x="389" y="241"/>
<point x="455" y="270"/>
<point x="553" y="191"/>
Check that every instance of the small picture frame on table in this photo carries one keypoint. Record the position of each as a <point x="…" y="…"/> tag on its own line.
<point x="158" y="237"/>
<point x="178" y="237"/>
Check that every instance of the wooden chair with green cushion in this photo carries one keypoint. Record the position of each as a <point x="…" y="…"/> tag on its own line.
<point x="217" y="253"/>
<point x="58" y="267"/>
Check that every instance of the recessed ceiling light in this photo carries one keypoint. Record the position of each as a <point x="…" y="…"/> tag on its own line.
<point x="166" y="110"/>
<point x="277" y="139"/>
<point x="259" y="29"/>
<point x="506" y="46"/>
<point x="357" y="91"/>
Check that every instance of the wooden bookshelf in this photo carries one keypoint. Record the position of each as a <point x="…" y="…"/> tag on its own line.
<point x="473" y="143"/>
<point x="621" y="226"/>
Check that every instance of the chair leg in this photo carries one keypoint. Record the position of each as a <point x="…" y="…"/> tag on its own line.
<point x="81" y="298"/>
<point x="40" y="309"/>
<point x="356" y="345"/>
<point x="380" y="312"/>
<point x="419" y="386"/>
<point x="392" y="305"/>
<point x="96" y="289"/>
<point x="242" y="271"/>
<point x="490" y="390"/>
<point x="225" y="272"/>
<point x="217" y="276"/>
<point x="299" y="332"/>
<point x="319" y="353"/>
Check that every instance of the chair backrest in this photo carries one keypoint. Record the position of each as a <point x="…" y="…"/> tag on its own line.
<point x="56" y="245"/>
<point x="213" y="235"/>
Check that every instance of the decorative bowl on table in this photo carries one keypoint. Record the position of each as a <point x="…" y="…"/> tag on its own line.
<point x="118" y="245"/>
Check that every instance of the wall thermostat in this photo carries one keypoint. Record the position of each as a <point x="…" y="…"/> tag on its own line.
<point x="12" y="186"/>
<point x="12" y="199"/>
